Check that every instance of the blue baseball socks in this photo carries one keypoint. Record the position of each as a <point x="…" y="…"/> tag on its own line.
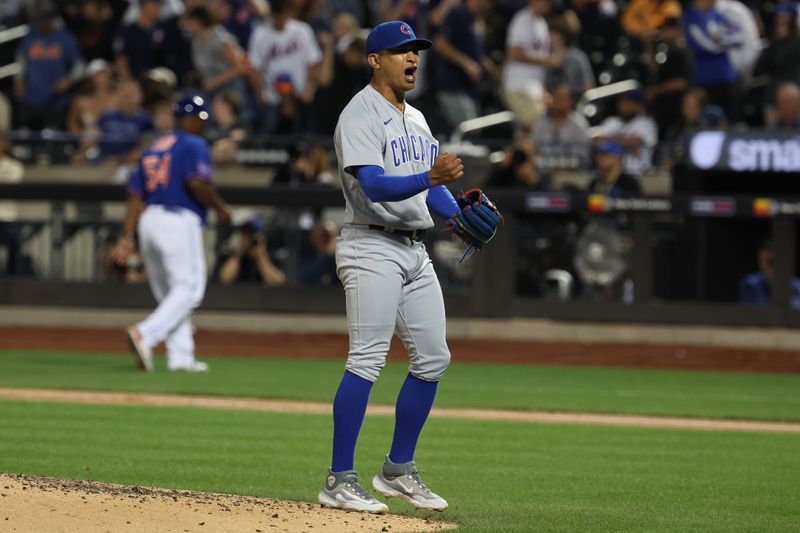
<point x="413" y="406"/>
<point x="350" y="405"/>
<point x="349" y="408"/>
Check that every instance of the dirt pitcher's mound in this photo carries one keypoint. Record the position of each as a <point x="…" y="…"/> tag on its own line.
<point x="35" y="504"/>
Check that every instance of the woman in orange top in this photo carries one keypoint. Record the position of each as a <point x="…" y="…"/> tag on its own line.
<point x="642" y="18"/>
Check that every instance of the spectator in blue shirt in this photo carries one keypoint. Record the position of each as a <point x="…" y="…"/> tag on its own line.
<point x="138" y="45"/>
<point x="461" y="64"/>
<point x="756" y="288"/>
<point x="610" y="178"/>
<point x="239" y="17"/>
<point x="122" y="128"/>
<point x="50" y="60"/>
<point x="710" y="36"/>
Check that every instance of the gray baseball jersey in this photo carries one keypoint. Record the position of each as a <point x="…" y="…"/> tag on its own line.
<point x="371" y="131"/>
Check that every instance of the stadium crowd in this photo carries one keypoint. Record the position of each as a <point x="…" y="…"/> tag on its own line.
<point x="104" y="73"/>
<point x="105" y="69"/>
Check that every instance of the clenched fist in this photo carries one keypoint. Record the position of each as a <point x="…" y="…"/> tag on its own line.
<point x="446" y="169"/>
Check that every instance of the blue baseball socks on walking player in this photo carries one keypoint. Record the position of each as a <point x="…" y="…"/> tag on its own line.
<point x="350" y="405"/>
<point x="413" y="406"/>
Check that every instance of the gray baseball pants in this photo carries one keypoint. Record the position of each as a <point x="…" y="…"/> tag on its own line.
<point x="390" y="286"/>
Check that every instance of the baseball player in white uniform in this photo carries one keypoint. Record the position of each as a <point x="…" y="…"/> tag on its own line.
<point x="168" y="197"/>
<point x="392" y="175"/>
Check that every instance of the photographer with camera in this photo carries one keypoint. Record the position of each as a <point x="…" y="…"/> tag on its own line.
<point x="518" y="168"/>
<point x="249" y="259"/>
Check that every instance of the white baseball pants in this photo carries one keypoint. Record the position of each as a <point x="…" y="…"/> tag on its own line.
<point x="171" y="243"/>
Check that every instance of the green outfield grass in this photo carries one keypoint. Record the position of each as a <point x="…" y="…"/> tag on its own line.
<point x="498" y="476"/>
<point x="654" y="392"/>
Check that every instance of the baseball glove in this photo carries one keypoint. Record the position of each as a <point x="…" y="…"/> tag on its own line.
<point x="476" y="223"/>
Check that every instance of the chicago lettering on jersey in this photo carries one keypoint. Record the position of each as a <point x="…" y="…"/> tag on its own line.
<point x="413" y="148"/>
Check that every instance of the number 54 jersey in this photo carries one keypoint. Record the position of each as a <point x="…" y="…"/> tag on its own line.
<point x="165" y="168"/>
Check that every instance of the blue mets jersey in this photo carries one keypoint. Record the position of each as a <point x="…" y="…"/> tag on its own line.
<point x="165" y="168"/>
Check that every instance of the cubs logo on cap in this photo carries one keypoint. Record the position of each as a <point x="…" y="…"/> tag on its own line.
<point x="393" y="35"/>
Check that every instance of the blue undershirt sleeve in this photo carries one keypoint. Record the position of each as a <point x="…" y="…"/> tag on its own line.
<point x="381" y="188"/>
<point x="441" y="202"/>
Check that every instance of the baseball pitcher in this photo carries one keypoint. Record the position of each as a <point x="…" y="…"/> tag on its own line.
<point x="393" y="176"/>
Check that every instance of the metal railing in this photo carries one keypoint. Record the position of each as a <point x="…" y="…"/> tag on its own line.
<point x="586" y="106"/>
<point x="12" y="34"/>
<point x="479" y="123"/>
<point x="8" y="35"/>
<point x="587" y="103"/>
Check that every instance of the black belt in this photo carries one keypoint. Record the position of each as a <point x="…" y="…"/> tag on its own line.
<point x="413" y="234"/>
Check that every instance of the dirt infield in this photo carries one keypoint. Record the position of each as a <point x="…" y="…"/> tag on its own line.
<point x="329" y="346"/>
<point x="36" y="504"/>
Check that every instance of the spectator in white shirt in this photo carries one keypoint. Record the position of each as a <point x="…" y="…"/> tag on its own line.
<point x="528" y="59"/>
<point x="633" y="129"/>
<point x="11" y="171"/>
<point x="283" y="53"/>
<point x="744" y="56"/>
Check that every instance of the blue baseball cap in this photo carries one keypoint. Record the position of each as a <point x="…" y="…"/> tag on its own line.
<point x="255" y="222"/>
<point x="393" y="35"/>
<point x="712" y="116"/>
<point x="789" y="8"/>
<point x="608" y="146"/>
<point x="637" y="95"/>
<point x="193" y="105"/>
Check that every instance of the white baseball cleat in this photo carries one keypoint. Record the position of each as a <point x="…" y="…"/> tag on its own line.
<point x="195" y="367"/>
<point x="343" y="491"/>
<point x="403" y="480"/>
<point x="141" y="353"/>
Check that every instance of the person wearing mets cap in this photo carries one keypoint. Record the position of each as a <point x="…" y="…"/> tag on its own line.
<point x="610" y="178"/>
<point x="168" y="197"/>
<point x="393" y="176"/>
